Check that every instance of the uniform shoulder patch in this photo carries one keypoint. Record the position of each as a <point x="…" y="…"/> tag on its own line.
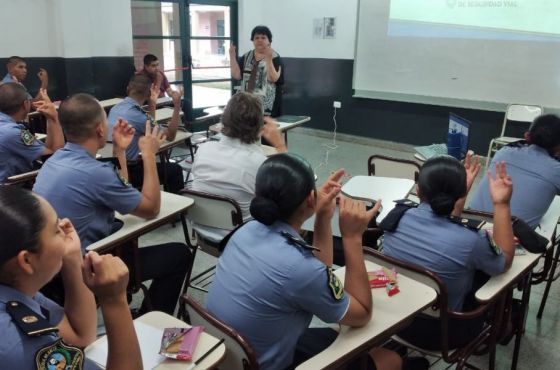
<point x="334" y="284"/>
<point x="58" y="355"/>
<point x="27" y="137"/>
<point x="123" y="180"/>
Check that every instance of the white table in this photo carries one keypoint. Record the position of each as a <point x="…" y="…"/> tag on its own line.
<point x="388" y="315"/>
<point x="368" y="188"/>
<point x="109" y="103"/>
<point x="165" y="114"/>
<point x="282" y="126"/>
<point x="134" y="227"/>
<point x="371" y="188"/>
<point x="149" y="347"/>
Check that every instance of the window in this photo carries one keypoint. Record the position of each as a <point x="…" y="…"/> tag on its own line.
<point x="191" y="40"/>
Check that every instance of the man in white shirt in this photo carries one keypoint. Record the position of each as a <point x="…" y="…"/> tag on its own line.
<point x="228" y="167"/>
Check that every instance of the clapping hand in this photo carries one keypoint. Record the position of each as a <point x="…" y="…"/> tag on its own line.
<point x="501" y="186"/>
<point x="123" y="133"/>
<point x="327" y="193"/>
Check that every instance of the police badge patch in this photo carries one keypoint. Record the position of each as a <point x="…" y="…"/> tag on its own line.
<point x="59" y="356"/>
<point x="27" y="137"/>
<point x="334" y="283"/>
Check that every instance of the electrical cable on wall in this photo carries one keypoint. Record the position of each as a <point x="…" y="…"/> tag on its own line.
<point x="328" y="146"/>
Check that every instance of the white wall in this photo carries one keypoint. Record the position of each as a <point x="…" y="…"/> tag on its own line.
<point x="66" y="28"/>
<point x="291" y="24"/>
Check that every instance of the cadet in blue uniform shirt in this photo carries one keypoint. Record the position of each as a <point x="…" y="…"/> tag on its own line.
<point x="140" y="90"/>
<point x="18" y="146"/>
<point x="269" y="283"/>
<point x="534" y="169"/>
<point x="34" y="246"/>
<point x="89" y="192"/>
<point x="17" y="72"/>
<point x="428" y="237"/>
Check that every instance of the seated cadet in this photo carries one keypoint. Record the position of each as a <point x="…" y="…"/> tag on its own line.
<point x="88" y="192"/>
<point x="432" y="236"/>
<point x="269" y="283"/>
<point x="18" y="147"/>
<point x="157" y="77"/>
<point x="140" y="90"/>
<point x="534" y="167"/>
<point x="17" y="72"/>
<point x="229" y="167"/>
<point x="39" y="334"/>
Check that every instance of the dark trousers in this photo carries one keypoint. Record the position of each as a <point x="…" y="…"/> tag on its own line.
<point x="315" y="340"/>
<point x="168" y="173"/>
<point x="166" y="265"/>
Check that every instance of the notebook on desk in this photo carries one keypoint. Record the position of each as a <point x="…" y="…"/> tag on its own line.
<point x="457" y="141"/>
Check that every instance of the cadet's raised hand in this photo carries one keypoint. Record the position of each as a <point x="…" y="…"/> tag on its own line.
<point x="472" y="166"/>
<point x="71" y="238"/>
<point x="232" y="51"/>
<point x="151" y="141"/>
<point x="354" y="218"/>
<point x="176" y="98"/>
<point x="154" y="91"/>
<point x="106" y="276"/>
<point x="272" y="134"/>
<point x="43" y="76"/>
<point x="123" y="133"/>
<point x="47" y="109"/>
<point x="326" y="194"/>
<point x="501" y="186"/>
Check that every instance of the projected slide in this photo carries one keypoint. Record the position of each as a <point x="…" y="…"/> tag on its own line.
<point x="493" y="19"/>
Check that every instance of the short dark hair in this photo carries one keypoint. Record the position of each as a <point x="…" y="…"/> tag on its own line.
<point x="12" y="96"/>
<point x="283" y="182"/>
<point x="21" y="222"/>
<point x="14" y="60"/>
<point x="442" y="181"/>
<point x="261" y="30"/>
<point x="545" y="132"/>
<point x="139" y="85"/>
<point x="149" y="58"/>
<point x="243" y="117"/>
<point x="79" y="115"/>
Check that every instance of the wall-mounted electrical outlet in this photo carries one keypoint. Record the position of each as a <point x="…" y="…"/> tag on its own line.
<point x="337" y="104"/>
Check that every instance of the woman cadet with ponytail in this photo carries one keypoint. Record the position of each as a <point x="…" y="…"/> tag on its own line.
<point x="432" y="235"/>
<point x="269" y="282"/>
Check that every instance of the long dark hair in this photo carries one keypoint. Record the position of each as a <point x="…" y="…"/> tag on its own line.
<point x="21" y="222"/>
<point x="442" y="181"/>
<point x="283" y="182"/>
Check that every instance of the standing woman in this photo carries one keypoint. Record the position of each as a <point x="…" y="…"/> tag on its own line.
<point x="260" y="71"/>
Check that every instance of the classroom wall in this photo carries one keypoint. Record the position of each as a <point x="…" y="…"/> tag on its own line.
<point x="319" y="71"/>
<point x="86" y="46"/>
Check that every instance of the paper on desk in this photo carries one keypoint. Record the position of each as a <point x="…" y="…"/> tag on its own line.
<point x="150" y="341"/>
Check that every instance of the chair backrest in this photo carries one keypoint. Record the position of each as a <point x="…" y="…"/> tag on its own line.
<point x="239" y="354"/>
<point x="379" y="165"/>
<point x="521" y="113"/>
<point x="213" y="210"/>
<point x="440" y="309"/>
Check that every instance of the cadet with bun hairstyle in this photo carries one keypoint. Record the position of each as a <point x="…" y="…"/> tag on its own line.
<point x="269" y="283"/>
<point x="433" y="236"/>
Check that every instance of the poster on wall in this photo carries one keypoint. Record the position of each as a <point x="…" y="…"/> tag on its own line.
<point x="324" y="28"/>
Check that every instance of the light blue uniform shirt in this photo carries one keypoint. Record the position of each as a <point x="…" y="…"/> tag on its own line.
<point x="450" y="250"/>
<point x="129" y="110"/>
<point x="268" y="290"/>
<point x="15" y="156"/>
<point x="536" y="181"/>
<point x="17" y="350"/>
<point x="86" y="191"/>
<point x="9" y="78"/>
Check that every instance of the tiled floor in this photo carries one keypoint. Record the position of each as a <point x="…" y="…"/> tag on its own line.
<point x="540" y="349"/>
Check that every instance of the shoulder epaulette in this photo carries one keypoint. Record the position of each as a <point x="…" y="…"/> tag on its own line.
<point x="28" y="321"/>
<point x="468" y="223"/>
<point x="391" y="221"/>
